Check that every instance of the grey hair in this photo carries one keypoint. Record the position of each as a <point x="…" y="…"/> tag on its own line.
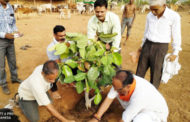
<point x="157" y="2"/>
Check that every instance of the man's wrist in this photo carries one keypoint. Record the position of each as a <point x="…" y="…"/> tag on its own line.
<point x="97" y="117"/>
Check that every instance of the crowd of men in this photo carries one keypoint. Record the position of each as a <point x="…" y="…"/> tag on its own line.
<point x="140" y="98"/>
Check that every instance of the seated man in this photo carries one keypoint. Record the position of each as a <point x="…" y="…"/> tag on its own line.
<point x="140" y="99"/>
<point x="33" y="92"/>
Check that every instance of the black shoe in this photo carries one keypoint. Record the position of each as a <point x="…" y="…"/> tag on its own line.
<point x="17" y="81"/>
<point x="5" y="90"/>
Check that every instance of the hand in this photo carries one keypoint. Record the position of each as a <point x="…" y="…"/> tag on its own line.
<point x="20" y="34"/>
<point x="68" y="44"/>
<point x="9" y="36"/>
<point x="93" y="120"/>
<point x="172" y="58"/>
<point x="107" y="46"/>
<point x="140" y="49"/>
<point x="56" y="95"/>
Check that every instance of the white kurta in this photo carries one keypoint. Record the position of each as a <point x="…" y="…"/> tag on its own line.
<point x="145" y="101"/>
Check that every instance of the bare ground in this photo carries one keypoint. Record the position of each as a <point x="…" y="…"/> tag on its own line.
<point x="38" y="34"/>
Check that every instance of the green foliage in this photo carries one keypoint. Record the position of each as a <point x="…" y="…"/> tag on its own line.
<point x="97" y="98"/>
<point x="90" y="66"/>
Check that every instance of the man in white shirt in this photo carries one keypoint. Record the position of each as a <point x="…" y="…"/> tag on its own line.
<point x="162" y="23"/>
<point x="140" y="99"/>
<point x="106" y="22"/>
<point x="33" y="92"/>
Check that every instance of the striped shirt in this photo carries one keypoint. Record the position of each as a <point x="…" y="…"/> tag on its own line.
<point x="7" y="20"/>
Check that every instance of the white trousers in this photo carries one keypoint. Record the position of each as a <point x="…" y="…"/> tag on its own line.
<point x="146" y="117"/>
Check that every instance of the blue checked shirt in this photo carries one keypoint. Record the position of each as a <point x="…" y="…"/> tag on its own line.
<point x="7" y="20"/>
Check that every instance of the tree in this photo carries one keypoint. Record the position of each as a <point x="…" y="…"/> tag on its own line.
<point x="90" y="66"/>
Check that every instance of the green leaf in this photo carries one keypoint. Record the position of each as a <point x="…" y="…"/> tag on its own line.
<point x="106" y="70"/>
<point x="60" y="48"/>
<point x="109" y="35"/>
<point x="61" y="78"/>
<point x="66" y="70"/>
<point x="117" y="59"/>
<point x="80" y="76"/>
<point x="69" y="79"/>
<point x="73" y="47"/>
<point x="93" y="74"/>
<point x="97" y="99"/>
<point x="107" y="60"/>
<point x="82" y="42"/>
<point x="79" y="87"/>
<point x="100" y="52"/>
<point x="63" y="56"/>
<point x="105" y="80"/>
<point x="73" y="64"/>
<point x="87" y="86"/>
<point x="82" y="52"/>
<point x="91" y="50"/>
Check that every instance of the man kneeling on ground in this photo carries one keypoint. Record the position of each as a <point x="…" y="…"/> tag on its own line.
<point x="33" y="92"/>
<point x="140" y="99"/>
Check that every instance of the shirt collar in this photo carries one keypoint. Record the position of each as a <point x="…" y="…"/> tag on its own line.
<point x="7" y="7"/>
<point x="55" y="41"/>
<point x="166" y="13"/>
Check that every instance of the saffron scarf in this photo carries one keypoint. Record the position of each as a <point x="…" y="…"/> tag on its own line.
<point x="128" y="96"/>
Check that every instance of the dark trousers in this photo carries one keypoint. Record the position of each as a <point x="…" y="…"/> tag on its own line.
<point x="152" y="55"/>
<point x="30" y="108"/>
<point x="7" y="49"/>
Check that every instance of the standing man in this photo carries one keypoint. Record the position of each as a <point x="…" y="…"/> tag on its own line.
<point x="162" y="23"/>
<point x="33" y="92"/>
<point x="7" y="49"/>
<point x="104" y="22"/>
<point x="140" y="99"/>
<point x="128" y="18"/>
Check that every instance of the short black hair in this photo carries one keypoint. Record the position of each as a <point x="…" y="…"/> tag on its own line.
<point x="49" y="67"/>
<point x="127" y="79"/>
<point x="7" y="115"/>
<point x="58" y="28"/>
<point x="101" y="3"/>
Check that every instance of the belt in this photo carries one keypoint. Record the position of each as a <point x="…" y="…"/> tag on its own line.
<point x="151" y="42"/>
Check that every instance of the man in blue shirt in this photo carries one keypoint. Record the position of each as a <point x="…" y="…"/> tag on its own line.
<point x="8" y="32"/>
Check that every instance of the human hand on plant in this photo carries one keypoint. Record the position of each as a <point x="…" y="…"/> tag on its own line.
<point x="108" y="46"/>
<point x="56" y="95"/>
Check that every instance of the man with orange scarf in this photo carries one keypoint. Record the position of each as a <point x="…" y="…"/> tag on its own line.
<point x="140" y="99"/>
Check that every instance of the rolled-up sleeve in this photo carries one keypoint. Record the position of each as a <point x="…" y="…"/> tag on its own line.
<point x="117" y="29"/>
<point x="176" y="35"/>
<point x="91" y="29"/>
<point x="2" y="34"/>
<point x="112" y="93"/>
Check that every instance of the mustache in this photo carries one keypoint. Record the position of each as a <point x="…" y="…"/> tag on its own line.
<point x="63" y="39"/>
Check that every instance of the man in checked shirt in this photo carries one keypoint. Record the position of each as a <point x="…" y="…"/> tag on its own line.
<point x="8" y="32"/>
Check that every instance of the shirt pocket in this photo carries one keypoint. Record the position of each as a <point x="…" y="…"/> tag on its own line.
<point x="10" y="20"/>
